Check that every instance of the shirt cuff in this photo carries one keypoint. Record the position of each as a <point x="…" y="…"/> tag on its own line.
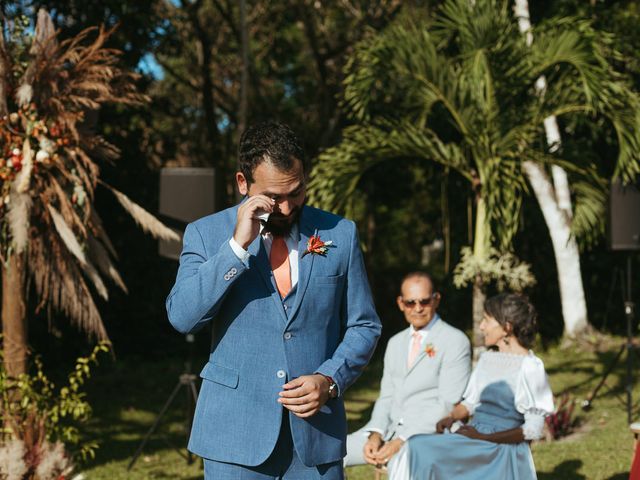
<point x="533" y="426"/>
<point x="240" y="252"/>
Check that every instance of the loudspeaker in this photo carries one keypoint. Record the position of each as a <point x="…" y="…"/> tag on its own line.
<point x="186" y="194"/>
<point x="624" y="216"/>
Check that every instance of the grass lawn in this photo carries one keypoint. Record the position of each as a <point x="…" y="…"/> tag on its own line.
<point x="127" y="397"/>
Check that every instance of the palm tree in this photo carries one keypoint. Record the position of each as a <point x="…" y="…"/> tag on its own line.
<point x="459" y="88"/>
<point x="50" y="92"/>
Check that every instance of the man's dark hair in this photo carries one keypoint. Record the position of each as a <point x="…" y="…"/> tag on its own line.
<point x="419" y="274"/>
<point x="517" y="311"/>
<point x="273" y="142"/>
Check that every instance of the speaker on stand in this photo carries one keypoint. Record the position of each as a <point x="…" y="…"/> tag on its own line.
<point x="186" y="194"/>
<point x="624" y="235"/>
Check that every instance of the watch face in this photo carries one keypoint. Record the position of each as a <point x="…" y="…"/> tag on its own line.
<point x="333" y="390"/>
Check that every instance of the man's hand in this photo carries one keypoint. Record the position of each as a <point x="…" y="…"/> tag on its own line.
<point x="388" y="450"/>
<point x="305" y="395"/>
<point x="247" y="223"/>
<point x="469" y="431"/>
<point x="443" y="424"/>
<point x="371" y="448"/>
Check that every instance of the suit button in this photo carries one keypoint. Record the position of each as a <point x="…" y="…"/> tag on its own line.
<point x="285" y="307"/>
<point x="280" y="374"/>
<point x="226" y="276"/>
<point x="287" y="335"/>
<point x="233" y="270"/>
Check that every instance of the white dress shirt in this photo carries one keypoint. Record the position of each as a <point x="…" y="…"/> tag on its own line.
<point x="267" y="240"/>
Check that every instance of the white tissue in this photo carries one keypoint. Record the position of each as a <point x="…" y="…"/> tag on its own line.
<point x="262" y="215"/>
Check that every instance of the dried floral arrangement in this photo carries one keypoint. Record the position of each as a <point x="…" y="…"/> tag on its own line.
<point x="50" y="92"/>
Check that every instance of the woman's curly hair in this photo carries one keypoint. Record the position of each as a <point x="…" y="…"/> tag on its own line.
<point x="516" y="311"/>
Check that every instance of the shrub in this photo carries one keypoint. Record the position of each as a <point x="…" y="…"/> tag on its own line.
<point x="562" y="422"/>
<point x="40" y="425"/>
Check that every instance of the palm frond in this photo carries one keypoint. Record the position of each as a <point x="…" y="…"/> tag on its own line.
<point x="72" y="244"/>
<point x="60" y="286"/>
<point x="18" y="215"/>
<point x="144" y="219"/>
<point x="100" y="257"/>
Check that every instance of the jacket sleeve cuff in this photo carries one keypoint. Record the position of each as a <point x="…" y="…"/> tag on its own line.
<point x="240" y="252"/>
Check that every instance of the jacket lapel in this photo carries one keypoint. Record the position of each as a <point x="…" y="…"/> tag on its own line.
<point x="260" y="262"/>
<point x="405" y="356"/>
<point x="431" y="338"/>
<point x="306" y="230"/>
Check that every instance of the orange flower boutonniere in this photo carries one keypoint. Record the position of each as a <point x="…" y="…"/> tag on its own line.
<point x="430" y="350"/>
<point x="316" y="246"/>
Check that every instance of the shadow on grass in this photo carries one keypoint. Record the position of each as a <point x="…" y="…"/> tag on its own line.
<point x="567" y="470"/>
<point x="126" y="398"/>
<point x="594" y="369"/>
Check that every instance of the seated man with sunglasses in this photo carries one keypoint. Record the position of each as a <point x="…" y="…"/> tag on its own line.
<point x="426" y="369"/>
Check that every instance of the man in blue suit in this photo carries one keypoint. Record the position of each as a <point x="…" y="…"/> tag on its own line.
<point x="285" y="287"/>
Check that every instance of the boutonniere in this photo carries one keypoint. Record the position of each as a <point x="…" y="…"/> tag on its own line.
<point x="316" y="246"/>
<point x="430" y="350"/>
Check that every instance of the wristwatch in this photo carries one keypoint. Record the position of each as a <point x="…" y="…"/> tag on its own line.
<point x="333" y="386"/>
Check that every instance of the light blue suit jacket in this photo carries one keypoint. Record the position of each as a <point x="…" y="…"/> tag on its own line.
<point x="327" y="324"/>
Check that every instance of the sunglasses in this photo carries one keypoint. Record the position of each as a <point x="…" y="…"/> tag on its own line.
<point x="424" y="302"/>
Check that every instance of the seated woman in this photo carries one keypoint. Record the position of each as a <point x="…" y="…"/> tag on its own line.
<point x="508" y="396"/>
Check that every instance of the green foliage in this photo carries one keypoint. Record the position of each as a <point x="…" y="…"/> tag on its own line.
<point x="34" y="411"/>
<point x="459" y="88"/>
<point x="504" y="269"/>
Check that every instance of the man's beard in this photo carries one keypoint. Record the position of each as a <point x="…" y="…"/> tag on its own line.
<point x="279" y="225"/>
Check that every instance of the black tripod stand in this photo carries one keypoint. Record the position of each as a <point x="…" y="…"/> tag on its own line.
<point x="629" y="346"/>
<point x="187" y="380"/>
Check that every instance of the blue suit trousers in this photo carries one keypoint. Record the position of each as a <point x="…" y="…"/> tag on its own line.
<point x="282" y="464"/>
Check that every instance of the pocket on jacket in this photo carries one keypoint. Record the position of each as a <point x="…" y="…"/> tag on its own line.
<point x="219" y="374"/>
<point x="332" y="280"/>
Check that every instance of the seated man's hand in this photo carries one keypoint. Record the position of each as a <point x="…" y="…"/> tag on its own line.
<point x="443" y="424"/>
<point x="305" y="395"/>
<point x="371" y="448"/>
<point x="388" y="450"/>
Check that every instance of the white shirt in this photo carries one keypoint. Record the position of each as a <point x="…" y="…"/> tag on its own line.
<point x="267" y="240"/>
<point x="528" y="380"/>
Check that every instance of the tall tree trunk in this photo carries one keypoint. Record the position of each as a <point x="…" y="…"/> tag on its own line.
<point x="480" y="251"/>
<point x="205" y="60"/>
<point x="14" y="320"/>
<point x="555" y="202"/>
<point x="565" y="249"/>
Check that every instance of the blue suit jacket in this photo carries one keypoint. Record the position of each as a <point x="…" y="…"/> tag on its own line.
<point x="327" y="324"/>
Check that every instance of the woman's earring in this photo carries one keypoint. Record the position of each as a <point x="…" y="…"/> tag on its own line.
<point x="505" y="339"/>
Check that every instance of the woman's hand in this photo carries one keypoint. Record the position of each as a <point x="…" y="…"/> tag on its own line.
<point x="444" y="424"/>
<point x="469" y="431"/>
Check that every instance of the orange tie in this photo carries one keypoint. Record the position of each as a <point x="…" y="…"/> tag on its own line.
<point x="279" y="259"/>
<point x="415" y="349"/>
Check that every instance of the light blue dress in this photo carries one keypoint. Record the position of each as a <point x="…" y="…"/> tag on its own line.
<point x="505" y="391"/>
